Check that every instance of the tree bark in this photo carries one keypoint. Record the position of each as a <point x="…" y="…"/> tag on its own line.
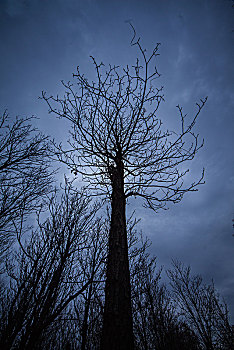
<point x="117" y="325"/>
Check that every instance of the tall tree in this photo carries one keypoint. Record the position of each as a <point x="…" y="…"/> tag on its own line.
<point x="119" y="147"/>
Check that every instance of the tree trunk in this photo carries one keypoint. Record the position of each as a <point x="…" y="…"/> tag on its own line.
<point x="117" y="325"/>
<point x="86" y="315"/>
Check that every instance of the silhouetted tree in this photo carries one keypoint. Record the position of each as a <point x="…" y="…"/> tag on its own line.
<point x="46" y="274"/>
<point x="156" y="324"/>
<point x="119" y="147"/>
<point x="201" y="308"/>
<point x="94" y="264"/>
<point x="24" y="173"/>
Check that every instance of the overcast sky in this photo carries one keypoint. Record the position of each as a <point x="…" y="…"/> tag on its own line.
<point x="42" y="42"/>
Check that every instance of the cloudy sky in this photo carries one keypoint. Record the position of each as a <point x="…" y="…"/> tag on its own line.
<point x="42" y="42"/>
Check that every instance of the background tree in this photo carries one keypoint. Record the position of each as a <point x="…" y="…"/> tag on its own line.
<point x="120" y="148"/>
<point x="201" y="308"/>
<point x="94" y="266"/>
<point x="46" y="274"/>
<point x="24" y="173"/>
<point x="156" y="324"/>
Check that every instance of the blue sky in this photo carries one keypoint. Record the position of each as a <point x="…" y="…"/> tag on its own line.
<point x="43" y="41"/>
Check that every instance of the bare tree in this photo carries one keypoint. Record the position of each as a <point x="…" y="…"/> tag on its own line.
<point x="24" y="173"/>
<point x="156" y="323"/>
<point x="48" y="275"/>
<point x="119" y="147"/>
<point x="200" y="306"/>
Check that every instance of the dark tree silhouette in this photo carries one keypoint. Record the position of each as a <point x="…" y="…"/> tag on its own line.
<point x="119" y="147"/>
<point x="155" y="314"/>
<point x="24" y="173"/>
<point x="46" y="274"/>
<point x="202" y="308"/>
